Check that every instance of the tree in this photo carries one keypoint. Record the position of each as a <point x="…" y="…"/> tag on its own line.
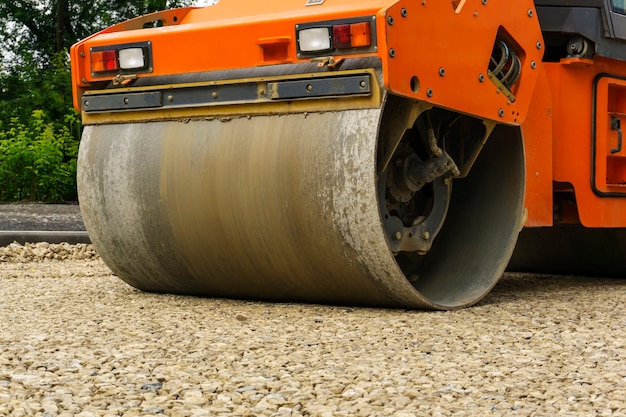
<point x="42" y="28"/>
<point x="35" y="84"/>
<point x="36" y="35"/>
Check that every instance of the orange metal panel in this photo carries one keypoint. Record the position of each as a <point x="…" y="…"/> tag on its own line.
<point x="537" y="134"/>
<point x="228" y="35"/>
<point x="439" y="51"/>
<point x="572" y="84"/>
<point x="427" y="37"/>
<point x="223" y="36"/>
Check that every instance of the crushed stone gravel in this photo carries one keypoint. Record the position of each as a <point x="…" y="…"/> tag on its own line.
<point x="76" y="341"/>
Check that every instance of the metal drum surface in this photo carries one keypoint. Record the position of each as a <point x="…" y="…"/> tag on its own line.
<point x="284" y="207"/>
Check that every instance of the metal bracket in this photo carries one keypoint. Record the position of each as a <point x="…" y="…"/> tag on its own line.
<point x="616" y="125"/>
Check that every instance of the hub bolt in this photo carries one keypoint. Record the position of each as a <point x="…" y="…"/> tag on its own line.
<point x="397" y="235"/>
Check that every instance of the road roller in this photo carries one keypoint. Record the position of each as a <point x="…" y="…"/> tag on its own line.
<point x="376" y="152"/>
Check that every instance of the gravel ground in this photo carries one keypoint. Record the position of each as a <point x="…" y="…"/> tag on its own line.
<point x="76" y="341"/>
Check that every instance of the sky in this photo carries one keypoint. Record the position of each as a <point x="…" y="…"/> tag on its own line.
<point x="204" y="2"/>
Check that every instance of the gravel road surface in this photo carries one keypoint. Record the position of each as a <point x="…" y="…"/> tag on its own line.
<point x="76" y="341"/>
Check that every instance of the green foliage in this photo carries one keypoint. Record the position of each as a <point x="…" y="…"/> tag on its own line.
<point x="38" y="137"/>
<point x="30" y="88"/>
<point x="38" y="134"/>
<point x="38" y="160"/>
<point x="33" y="31"/>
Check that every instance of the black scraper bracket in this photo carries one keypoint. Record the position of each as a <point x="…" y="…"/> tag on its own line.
<point x="616" y="125"/>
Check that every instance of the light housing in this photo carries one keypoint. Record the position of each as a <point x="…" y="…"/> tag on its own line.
<point x="134" y="58"/>
<point x="336" y="37"/>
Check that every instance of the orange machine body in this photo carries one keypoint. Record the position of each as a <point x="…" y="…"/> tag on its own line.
<point x="576" y="174"/>
<point x="422" y="46"/>
<point x="436" y="52"/>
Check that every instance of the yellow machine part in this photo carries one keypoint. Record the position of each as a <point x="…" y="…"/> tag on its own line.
<point x="288" y="207"/>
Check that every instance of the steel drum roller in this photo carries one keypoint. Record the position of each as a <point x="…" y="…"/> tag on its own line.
<point x="287" y="207"/>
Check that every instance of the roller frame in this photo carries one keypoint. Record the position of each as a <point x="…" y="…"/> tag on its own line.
<point x="198" y="141"/>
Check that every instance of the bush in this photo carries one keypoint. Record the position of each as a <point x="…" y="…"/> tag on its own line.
<point x="38" y="160"/>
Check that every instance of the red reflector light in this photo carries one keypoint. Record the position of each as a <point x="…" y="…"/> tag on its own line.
<point x="341" y="36"/>
<point x="103" y="61"/>
<point x="354" y="35"/>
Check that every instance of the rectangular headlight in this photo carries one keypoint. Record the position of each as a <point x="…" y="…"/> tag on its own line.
<point x="131" y="58"/>
<point x="314" y="39"/>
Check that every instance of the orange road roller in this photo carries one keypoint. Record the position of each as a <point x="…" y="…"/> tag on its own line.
<point x="380" y="152"/>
